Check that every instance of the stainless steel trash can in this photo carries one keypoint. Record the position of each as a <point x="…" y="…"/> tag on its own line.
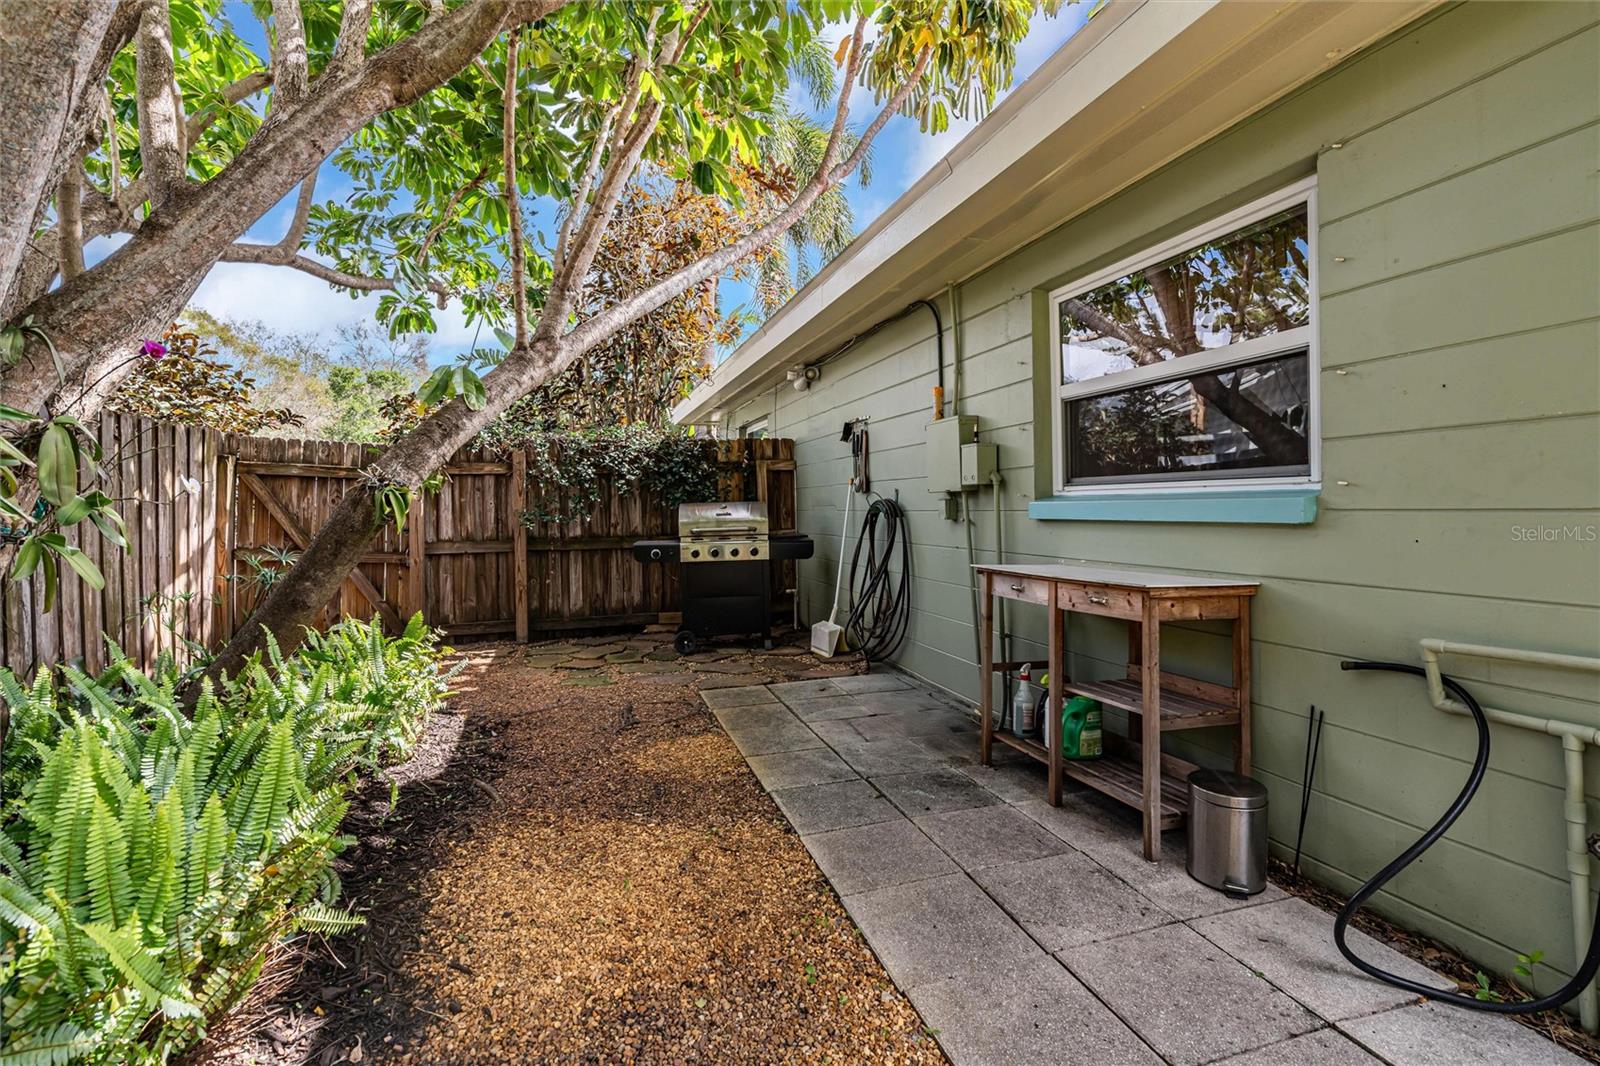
<point x="1228" y="832"/>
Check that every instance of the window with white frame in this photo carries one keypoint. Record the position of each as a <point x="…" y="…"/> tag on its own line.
<point x="1194" y="363"/>
<point x="757" y="428"/>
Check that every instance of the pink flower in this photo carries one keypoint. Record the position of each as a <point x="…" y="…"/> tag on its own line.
<point x="153" y="349"/>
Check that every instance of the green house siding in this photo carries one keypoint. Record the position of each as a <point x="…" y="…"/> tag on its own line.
<point x="1459" y="269"/>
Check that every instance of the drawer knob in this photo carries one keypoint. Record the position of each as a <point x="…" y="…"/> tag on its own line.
<point x="1101" y="600"/>
<point x="1016" y="588"/>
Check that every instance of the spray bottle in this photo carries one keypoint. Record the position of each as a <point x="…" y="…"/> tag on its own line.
<point x="1024" y="711"/>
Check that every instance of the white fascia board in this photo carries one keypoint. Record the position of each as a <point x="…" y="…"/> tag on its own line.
<point x="1140" y="84"/>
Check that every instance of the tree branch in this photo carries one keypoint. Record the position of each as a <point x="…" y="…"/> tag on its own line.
<point x="161" y="124"/>
<point x="508" y="154"/>
<point x="594" y="330"/>
<point x="290" y="63"/>
<point x="448" y="213"/>
<point x="355" y="23"/>
<point x="69" y="225"/>
<point x="580" y="195"/>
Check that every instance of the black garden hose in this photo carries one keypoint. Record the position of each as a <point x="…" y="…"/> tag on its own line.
<point x="1591" y="961"/>
<point x="880" y="601"/>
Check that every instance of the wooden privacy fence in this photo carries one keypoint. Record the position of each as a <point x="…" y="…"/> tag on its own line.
<point x="208" y="514"/>
<point x="161" y="591"/>
<point x="467" y="560"/>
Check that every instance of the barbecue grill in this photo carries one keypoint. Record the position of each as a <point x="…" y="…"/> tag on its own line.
<point x="726" y="550"/>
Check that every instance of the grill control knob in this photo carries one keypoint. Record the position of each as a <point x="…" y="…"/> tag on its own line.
<point x="694" y="553"/>
<point x="755" y="551"/>
<point x="715" y="552"/>
<point x="655" y="553"/>
<point x="733" y="553"/>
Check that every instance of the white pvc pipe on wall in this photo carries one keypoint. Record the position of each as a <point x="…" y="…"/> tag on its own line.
<point x="1575" y="738"/>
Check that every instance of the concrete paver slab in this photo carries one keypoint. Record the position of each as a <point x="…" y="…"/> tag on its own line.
<point x="1291" y="942"/>
<point x="1033" y="1013"/>
<point x="788" y="691"/>
<point x="880" y="682"/>
<point x="791" y="769"/>
<point x="1069" y="899"/>
<point x="905" y="700"/>
<point x="1017" y="780"/>
<point x="937" y="929"/>
<point x="1434" y="1034"/>
<point x="744" y="696"/>
<point x="934" y="720"/>
<point x="833" y="805"/>
<point x="868" y="857"/>
<point x="1325" y="1047"/>
<point x="827" y="708"/>
<point x="989" y="836"/>
<point x="934" y="791"/>
<point x="1186" y="997"/>
<point x="879" y="758"/>
<point x="756" y="732"/>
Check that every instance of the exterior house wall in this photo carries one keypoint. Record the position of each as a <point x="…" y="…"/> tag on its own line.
<point x="1459" y="269"/>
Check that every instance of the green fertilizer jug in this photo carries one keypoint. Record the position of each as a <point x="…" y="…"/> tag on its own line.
<point x="1080" y="728"/>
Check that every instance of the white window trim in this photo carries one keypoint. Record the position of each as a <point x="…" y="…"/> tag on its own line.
<point x="1304" y="191"/>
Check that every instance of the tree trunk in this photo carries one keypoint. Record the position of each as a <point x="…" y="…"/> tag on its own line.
<point x="95" y="319"/>
<point x="54" y="55"/>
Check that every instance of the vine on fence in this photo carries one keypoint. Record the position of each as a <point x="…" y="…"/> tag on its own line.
<point x="574" y="471"/>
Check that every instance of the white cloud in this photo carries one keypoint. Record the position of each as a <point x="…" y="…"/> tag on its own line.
<point x="293" y="302"/>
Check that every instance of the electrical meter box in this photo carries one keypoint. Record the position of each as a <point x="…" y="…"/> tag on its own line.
<point x="977" y="465"/>
<point x="946" y="438"/>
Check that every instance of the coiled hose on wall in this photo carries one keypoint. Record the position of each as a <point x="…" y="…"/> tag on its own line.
<point x="1591" y="961"/>
<point x="880" y="601"/>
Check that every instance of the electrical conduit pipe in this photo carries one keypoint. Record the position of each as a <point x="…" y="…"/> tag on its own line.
<point x="1575" y="739"/>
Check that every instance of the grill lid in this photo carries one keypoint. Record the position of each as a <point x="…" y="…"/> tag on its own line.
<point x="722" y="521"/>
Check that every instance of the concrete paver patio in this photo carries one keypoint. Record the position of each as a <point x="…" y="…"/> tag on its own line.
<point x="1026" y="933"/>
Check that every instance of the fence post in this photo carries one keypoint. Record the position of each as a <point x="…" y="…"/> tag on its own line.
<point x="224" y="496"/>
<point x="417" y="546"/>
<point x="519" y="541"/>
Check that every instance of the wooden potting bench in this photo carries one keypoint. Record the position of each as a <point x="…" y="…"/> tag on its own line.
<point x="1134" y="769"/>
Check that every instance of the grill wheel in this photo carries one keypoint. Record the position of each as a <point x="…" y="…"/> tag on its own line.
<point x="686" y="643"/>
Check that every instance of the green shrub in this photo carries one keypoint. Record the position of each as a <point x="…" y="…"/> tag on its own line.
<point x="148" y="859"/>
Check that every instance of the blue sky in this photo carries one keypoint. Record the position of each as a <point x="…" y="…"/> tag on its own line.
<point x="290" y="301"/>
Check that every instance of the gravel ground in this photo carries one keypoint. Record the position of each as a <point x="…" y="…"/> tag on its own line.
<point x="585" y="870"/>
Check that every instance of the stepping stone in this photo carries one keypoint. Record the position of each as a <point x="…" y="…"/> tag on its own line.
<point x="876" y="856"/>
<point x="627" y="655"/>
<point x="932" y="930"/>
<point x="545" y="662"/>
<point x="790" y="691"/>
<point x="835" y="805"/>
<point x="602" y="650"/>
<point x="1029" y="1013"/>
<point x="651" y="668"/>
<point x="1291" y="942"/>
<point x="582" y="664"/>
<point x="1069" y="899"/>
<point x="677" y="678"/>
<point x="791" y="769"/>
<point x="744" y="696"/>
<point x="662" y="655"/>
<point x="989" y="836"/>
<point x="857" y="683"/>
<point x="588" y="680"/>
<point x="757" y="732"/>
<point x="563" y="649"/>
<point x="733" y="666"/>
<point x="827" y="708"/>
<point x="728" y="681"/>
<point x="1325" y="1047"/>
<point x="933" y="792"/>
<point x="1435" y="1033"/>
<point x="1187" y="998"/>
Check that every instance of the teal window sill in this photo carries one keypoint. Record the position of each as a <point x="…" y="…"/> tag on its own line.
<point x="1293" y="505"/>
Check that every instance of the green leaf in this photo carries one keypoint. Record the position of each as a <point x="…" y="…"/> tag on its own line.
<point x="58" y="464"/>
<point x="27" y="560"/>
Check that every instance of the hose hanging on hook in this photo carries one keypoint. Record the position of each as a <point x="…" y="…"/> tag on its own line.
<point x="880" y="602"/>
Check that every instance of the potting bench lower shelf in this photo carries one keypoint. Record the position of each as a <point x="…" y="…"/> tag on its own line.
<point x="1134" y="771"/>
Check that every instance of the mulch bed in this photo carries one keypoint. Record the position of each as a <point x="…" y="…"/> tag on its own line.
<point x="583" y="869"/>
<point x="1435" y="954"/>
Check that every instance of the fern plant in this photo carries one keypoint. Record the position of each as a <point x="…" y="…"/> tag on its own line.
<point x="148" y="858"/>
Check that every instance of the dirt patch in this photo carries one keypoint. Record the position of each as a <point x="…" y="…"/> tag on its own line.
<point x="586" y="874"/>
